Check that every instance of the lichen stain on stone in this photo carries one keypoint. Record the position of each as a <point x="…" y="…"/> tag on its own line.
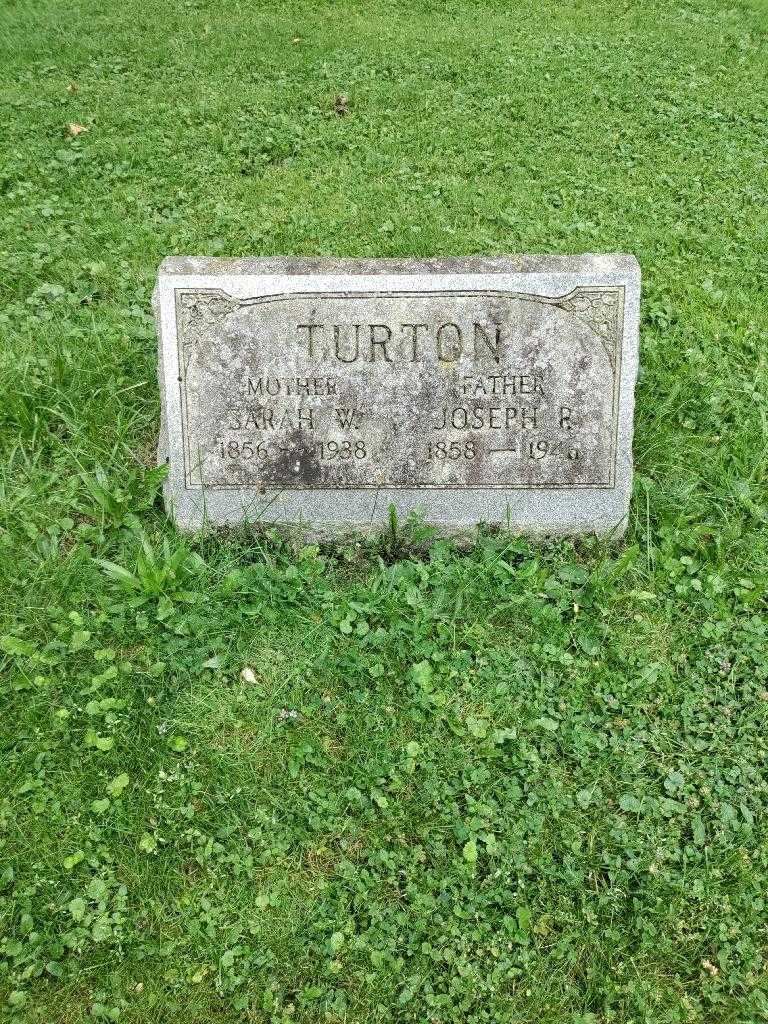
<point x="298" y="464"/>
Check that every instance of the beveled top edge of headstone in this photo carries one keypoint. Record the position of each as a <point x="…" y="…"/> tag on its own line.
<point x="585" y="263"/>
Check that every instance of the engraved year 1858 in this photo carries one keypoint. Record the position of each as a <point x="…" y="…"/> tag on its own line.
<point x="452" y="450"/>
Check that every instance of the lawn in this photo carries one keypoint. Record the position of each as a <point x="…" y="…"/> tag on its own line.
<point x="388" y="780"/>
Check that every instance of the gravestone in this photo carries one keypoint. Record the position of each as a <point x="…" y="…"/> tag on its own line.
<point x="320" y="391"/>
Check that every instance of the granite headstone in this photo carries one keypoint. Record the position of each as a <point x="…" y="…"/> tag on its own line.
<point x="320" y="391"/>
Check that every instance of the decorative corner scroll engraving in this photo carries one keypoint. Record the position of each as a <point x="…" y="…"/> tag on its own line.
<point x="601" y="309"/>
<point x="196" y="315"/>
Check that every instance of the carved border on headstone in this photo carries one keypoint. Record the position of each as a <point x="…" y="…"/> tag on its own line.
<point x="600" y="307"/>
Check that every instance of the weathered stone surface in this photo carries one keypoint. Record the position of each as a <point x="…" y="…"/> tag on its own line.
<point x="321" y="391"/>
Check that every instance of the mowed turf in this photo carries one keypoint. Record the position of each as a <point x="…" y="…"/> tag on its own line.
<point x="246" y="780"/>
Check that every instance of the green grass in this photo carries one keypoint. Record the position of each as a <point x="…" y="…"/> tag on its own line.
<point x="523" y="783"/>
